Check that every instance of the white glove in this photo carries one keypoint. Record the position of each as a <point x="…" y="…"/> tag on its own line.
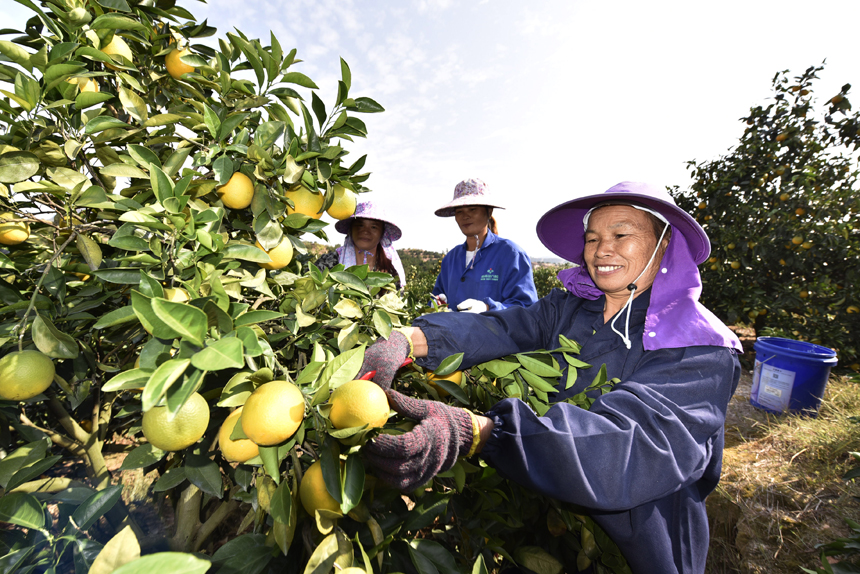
<point x="473" y="306"/>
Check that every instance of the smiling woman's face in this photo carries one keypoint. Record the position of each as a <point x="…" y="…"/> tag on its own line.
<point x="619" y="241"/>
<point x="366" y="233"/>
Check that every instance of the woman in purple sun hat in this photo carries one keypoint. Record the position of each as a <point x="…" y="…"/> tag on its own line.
<point x="369" y="238"/>
<point x="486" y="272"/>
<point x="644" y="457"/>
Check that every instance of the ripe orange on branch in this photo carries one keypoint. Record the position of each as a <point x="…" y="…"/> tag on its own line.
<point x="238" y="450"/>
<point x="313" y="493"/>
<point x="343" y="204"/>
<point x="179" y="431"/>
<point x="358" y="403"/>
<point x="281" y="255"/>
<point x="25" y="374"/>
<point x="13" y="232"/>
<point x="273" y="413"/>
<point x="175" y="66"/>
<point x="117" y="47"/>
<point x="306" y="201"/>
<point x="238" y="192"/>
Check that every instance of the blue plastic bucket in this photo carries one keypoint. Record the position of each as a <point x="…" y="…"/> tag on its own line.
<point x="790" y="375"/>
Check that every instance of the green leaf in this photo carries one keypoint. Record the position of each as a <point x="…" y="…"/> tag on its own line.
<point x="349" y="309"/>
<point x="143" y="156"/>
<point x="17" y="166"/>
<point x="96" y="506"/>
<point x="116" y="22"/>
<point x="537" y="367"/>
<point x="188" y="321"/>
<point x="536" y="382"/>
<point x="271" y="462"/>
<point x="170" y="479"/>
<point x="121" y="549"/>
<point x="142" y="456"/>
<point x="124" y="170"/>
<point x="226" y="353"/>
<point x="350" y="280"/>
<point x="164" y="376"/>
<point x="30" y="472"/>
<point x="436" y="554"/>
<point x="204" y="474"/>
<point x="257" y="316"/>
<point x="86" y="100"/>
<point x="127" y="380"/>
<point x="172" y="562"/>
<point x="537" y="559"/>
<point x="245" y="252"/>
<point x="366" y="105"/>
<point x="16" y="53"/>
<point x="162" y="184"/>
<point x="52" y="341"/>
<point x="224" y="169"/>
<point x="345" y="73"/>
<point x="449" y="365"/>
<point x="120" y="5"/>
<point x="343" y="367"/>
<point x="499" y="368"/>
<point x="133" y="104"/>
<point x="424" y="513"/>
<point x="268" y="133"/>
<point x="280" y="504"/>
<point x="382" y="323"/>
<point x="23" y="510"/>
<point x="103" y="123"/>
<point x="213" y="122"/>
<point x="90" y="251"/>
<point x="300" y="79"/>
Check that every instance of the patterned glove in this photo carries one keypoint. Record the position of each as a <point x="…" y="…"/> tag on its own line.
<point x="409" y="460"/>
<point x="473" y="306"/>
<point x="385" y="357"/>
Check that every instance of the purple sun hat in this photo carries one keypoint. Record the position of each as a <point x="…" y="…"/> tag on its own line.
<point x="562" y="230"/>
<point x="367" y="210"/>
<point x="675" y="318"/>
<point x="471" y="191"/>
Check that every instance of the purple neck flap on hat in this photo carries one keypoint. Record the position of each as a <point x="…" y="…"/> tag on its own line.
<point x="675" y="318"/>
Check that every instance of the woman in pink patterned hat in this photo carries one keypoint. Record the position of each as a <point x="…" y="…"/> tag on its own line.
<point x="369" y="238"/>
<point x="487" y="272"/>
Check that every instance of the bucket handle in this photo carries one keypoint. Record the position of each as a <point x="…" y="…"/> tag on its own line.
<point x="768" y="359"/>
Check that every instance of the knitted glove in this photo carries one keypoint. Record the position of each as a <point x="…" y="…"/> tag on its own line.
<point x="409" y="460"/>
<point x="385" y="357"/>
<point x="473" y="306"/>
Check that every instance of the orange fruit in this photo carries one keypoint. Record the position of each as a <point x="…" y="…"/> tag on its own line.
<point x="455" y="377"/>
<point x="281" y="255"/>
<point x="736" y="265"/>
<point x="179" y="431"/>
<point x="797" y="239"/>
<point x="313" y="493"/>
<point x="236" y="193"/>
<point x="851" y="309"/>
<point x="273" y="413"/>
<point x="117" y="47"/>
<point x="800" y="211"/>
<point x="358" y="403"/>
<point x="306" y="201"/>
<point x="85" y="84"/>
<point x="175" y="66"/>
<point x="782" y="137"/>
<point x="25" y="374"/>
<point x="14" y="232"/>
<point x="344" y="202"/>
<point x="235" y="450"/>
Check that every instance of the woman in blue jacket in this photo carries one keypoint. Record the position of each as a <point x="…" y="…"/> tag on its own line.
<point x="645" y="456"/>
<point x="486" y="272"/>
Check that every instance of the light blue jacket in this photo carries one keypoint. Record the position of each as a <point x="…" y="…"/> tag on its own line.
<point x="500" y="275"/>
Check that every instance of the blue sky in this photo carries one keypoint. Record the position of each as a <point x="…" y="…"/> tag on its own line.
<point x="544" y="100"/>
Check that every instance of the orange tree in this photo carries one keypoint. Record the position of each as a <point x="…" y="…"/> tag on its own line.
<point x="781" y="212"/>
<point x="153" y="278"/>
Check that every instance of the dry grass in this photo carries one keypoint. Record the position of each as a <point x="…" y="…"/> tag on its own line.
<point x="782" y="491"/>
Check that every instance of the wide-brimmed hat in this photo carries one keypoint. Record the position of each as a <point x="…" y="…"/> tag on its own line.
<point x="471" y="191"/>
<point x="367" y="210"/>
<point x="562" y="231"/>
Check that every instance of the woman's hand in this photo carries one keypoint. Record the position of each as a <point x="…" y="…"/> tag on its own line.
<point x="385" y="356"/>
<point x="443" y="434"/>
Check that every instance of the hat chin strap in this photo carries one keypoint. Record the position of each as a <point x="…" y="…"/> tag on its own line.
<point x="632" y="288"/>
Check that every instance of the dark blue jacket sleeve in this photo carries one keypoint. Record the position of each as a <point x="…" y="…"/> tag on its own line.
<point x="653" y="435"/>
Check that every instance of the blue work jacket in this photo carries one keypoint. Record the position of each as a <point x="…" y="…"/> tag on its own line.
<point x="643" y="458"/>
<point x="500" y="275"/>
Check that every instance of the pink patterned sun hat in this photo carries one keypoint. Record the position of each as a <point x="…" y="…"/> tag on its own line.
<point x="368" y="210"/>
<point x="471" y="191"/>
